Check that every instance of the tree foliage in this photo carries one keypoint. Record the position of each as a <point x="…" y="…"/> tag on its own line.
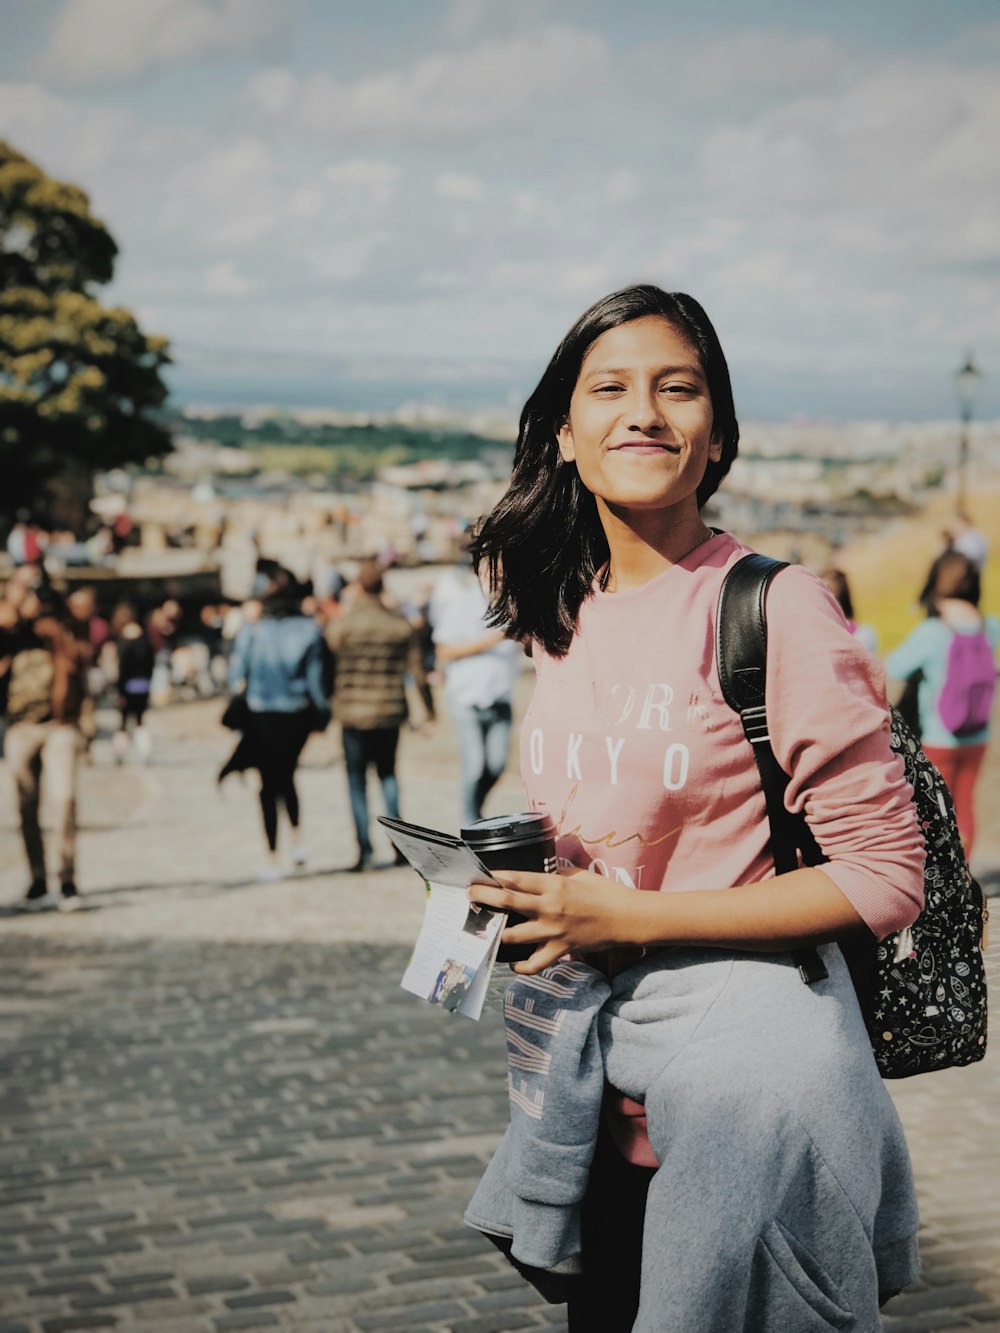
<point x="79" y="382"/>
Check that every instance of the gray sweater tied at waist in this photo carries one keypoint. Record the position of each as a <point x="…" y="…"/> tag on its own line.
<point x="784" y="1198"/>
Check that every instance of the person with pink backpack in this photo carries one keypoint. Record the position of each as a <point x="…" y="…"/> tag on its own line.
<point x="954" y="652"/>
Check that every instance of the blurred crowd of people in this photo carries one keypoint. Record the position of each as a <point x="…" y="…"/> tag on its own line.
<point x="31" y="542"/>
<point x="291" y="660"/>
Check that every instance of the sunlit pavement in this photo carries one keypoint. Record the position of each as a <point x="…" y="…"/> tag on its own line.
<point x="218" y="1110"/>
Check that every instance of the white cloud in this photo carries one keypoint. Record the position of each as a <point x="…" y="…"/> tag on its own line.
<point x="272" y="90"/>
<point x="586" y="280"/>
<point x="446" y="95"/>
<point x="464" y="19"/>
<point x="233" y="196"/>
<point x="896" y="167"/>
<point x="224" y="279"/>
<point x="458" y="185"/>
<point x="835" y="209"/>
<point x="61" y="133"/>
<point x="467" y="18"/>
<point x="749" y="66"/>
<point x="91" y="41"/>
<point x="361" y="179"/>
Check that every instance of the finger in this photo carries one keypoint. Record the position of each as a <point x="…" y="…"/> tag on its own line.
<point x="526" y="881"/>
<point x="506" y="900"/>
<point x="544" y="956"/>
<point x="525" y="932"/>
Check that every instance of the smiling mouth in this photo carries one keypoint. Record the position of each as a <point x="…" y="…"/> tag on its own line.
<point x="645" y="447"/>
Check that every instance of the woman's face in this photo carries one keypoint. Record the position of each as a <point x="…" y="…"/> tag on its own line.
<point x="640" y="419"/>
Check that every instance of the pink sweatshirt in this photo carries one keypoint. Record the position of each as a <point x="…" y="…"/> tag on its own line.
<point x="630" y="746"/>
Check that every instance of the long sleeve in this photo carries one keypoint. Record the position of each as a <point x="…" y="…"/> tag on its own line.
<point x="415" y="663"/>
<point x="318" y="674"/>
<point x="240" y="659"/>
<point x="829" y="727"/>
<point x="912" y="654"/>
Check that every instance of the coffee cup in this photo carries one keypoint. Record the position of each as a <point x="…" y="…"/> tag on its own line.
<point x="523" y="841"/>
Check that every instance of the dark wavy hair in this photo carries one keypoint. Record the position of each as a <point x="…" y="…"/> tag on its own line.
<point x="283" y="595"/>
<point x="543" y="542"/>
<point x="955" y="575"/>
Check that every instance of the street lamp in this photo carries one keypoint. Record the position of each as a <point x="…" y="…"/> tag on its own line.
<point x="967" y="379"/>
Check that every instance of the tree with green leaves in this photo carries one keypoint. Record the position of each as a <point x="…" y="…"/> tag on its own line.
<point x="79" y="382"/>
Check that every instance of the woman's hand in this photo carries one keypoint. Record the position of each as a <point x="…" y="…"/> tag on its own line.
<point x="576" y="911"/>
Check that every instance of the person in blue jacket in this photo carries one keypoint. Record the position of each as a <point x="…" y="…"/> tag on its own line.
<point x="281" y="663"/>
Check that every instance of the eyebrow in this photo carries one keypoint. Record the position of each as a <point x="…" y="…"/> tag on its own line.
<point x="687" y="368"/>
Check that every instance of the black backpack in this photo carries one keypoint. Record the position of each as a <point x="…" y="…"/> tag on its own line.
<point x="922" y="990"/>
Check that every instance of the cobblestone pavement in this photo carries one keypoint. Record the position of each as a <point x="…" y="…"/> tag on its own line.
<point x="218" y="1110"/>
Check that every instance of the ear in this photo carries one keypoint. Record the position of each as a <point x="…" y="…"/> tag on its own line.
<point x="564" y="436"/>
<point x="715" y="449"/>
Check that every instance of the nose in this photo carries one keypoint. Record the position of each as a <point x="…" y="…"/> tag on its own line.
<point x="644" y="410"/>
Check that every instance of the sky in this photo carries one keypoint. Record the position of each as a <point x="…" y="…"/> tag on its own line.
<point x="369" y="203"/>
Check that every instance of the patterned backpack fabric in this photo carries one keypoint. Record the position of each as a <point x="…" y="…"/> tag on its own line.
<point x="931" y="1004"/>
<point x="922" y="990"/>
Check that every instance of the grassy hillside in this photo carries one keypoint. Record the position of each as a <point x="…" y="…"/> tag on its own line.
<point x="887" y="571"/>
<point x="344" y="454"/>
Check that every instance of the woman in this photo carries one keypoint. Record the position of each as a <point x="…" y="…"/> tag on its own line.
<point x="280" y="662"/>
<point x="743" y="1110"/>
<point x="954" y="626"/>
<point x="135" y="660"/>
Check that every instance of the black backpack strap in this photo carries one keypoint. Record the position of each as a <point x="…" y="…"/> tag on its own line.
<point x="741" y="654"/>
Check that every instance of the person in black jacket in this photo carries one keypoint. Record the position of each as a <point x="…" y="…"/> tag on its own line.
<point x="135" y="672"/>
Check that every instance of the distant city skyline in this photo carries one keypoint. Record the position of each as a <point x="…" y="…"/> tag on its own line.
<point x="370" y="205"/>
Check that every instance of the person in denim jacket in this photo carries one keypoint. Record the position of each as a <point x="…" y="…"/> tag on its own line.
<point x="281" y="663"/>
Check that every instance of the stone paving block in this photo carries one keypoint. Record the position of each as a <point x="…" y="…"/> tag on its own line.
<point x="103" y="1251"/>
<point x="229" y="1219"/>
<point x="182" y="1323"/>
<point x="97" y="1300"/>
<point x="494" y="1323"/>
<point x="457" y="1249"/>
<point x="142" y="1279"/>
<point x="259" y="1298"/>
<point x="201" y="1286"/>
<point x="153" y="1312"/>
<point x="71" y="1323"/>
<point x="14" y="1277"/>
<point x="288" y="1226"/>
<point x="508" y="1298"/>
<point x="934" y="1298"/>
<point x="930" y="1322"/>
<point x="458" y="1268"/>
<point x="63" y="1289"/>
<point x="503" y="1275"/>
<point x="246" y="1319"/>
<point x="252" y="1093"/>
<point x="315" y="1253"/>
<point x="955" y="1275"/>
<point x="340" y="1284"/>
<point x="27" y="1257"/>
<point x="440" y="1312"/>
<point x="77" y="1268"/>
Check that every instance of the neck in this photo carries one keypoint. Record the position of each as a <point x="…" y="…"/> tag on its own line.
<point x="643" y="543"/>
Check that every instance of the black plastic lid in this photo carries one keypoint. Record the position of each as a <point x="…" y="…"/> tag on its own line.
<point x="522" y="827"/>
